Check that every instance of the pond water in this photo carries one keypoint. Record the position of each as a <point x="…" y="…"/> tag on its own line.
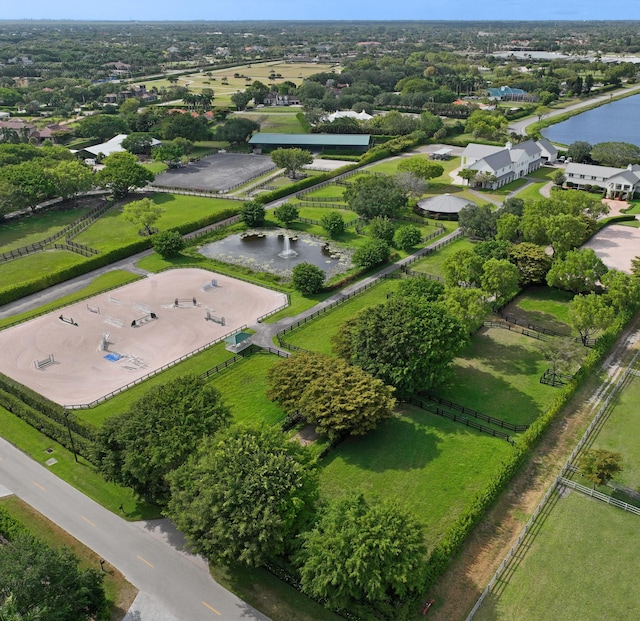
<point x="263" y="250"/>
<point x="618" y="121"/>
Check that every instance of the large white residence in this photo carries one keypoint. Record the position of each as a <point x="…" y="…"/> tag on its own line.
<point x="618" y="182"/>
<point x="498" y="166"/>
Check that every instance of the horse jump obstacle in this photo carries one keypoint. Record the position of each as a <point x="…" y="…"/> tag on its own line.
<point x="104" y="341"/>
<point x="44" y="363"/>
<point x="114" y="300"/>
<point x="211" y="317"/>
<point x="68" y="320"/>
<point x="145" y="308"/>
<point x="185" y="302"/>
<point x="114" y="321"/>
<point x="138" y="322"/>
<point x="93" y="309"/>
<point x="210" y="285"/>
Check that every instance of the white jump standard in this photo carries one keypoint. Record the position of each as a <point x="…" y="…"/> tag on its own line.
<point x="210" y="285"/>
<point x="93" y="309"/>
<point x="142" y="320"/>
<point x="211" y="317"/>
<point x="184" y="302"/>
<point x="44" y="363"/>
<point x="68" y="320"/>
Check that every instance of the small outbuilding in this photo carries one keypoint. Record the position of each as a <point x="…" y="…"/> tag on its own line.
<point x="441" y="154"/>
<point x="443" y="206"/>
<point x="358" y="143"/>
<point x="237" y="342"/>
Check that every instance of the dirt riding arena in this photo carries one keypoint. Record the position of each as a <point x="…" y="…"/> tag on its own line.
<point x="95" y="348"/>
<point x="616" y="245"/>
<point x="216" y="173"/>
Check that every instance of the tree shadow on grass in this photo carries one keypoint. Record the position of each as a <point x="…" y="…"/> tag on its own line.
<point x="400" y="443"/>
<point x="506" y="358"/>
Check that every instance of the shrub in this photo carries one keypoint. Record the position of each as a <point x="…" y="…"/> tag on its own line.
<point x="333" y="224"/>
<point x="168" y="244"/>
<point x="372" y="252"/>
<point x="252" y="214"/>
<point x="407" y="236"/>
<point x="307" y="278"/>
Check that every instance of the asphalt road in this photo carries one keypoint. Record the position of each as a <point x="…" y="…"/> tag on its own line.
<point x="177" y="583"/>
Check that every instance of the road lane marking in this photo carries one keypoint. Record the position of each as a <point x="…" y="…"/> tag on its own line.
<point x="39" y="486"/>
<point x="212" y="608"/>
<point x="145" y="561"/>
<point x="87" y="520"/>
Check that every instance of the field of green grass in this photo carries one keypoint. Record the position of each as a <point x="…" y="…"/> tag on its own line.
<point x="316" y="334"/>
<point x="498" y="373"/>
<point x="113" y="231"/>
<point x="37" y="265"/>
<point x="317" y="213"/>
<point x="27" y="230"/>
<point x="243" y="388"/>
<point x="578" y="566"/>
<point x="543" y="306"/>
<point x="531" y="192"/>
<point x="428" y="464"/>
<point x="546" y="173"/>
<point x="119" y="593"/>
<point x="275" y="123"/>
<point x="434" y="263"/>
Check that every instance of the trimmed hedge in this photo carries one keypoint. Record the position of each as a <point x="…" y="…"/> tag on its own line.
<point x="459" y="531"/>
<point x="302" y="119"/>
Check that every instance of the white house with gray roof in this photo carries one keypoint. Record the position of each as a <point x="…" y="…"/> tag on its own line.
<point x="620" y="183"/>
<point x="502" y="165"/>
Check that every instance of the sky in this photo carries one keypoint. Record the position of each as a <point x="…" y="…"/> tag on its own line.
<point x="216" y="10"/>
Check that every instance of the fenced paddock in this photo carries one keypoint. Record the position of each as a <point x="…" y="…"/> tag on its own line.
<point x="81" y="373"/>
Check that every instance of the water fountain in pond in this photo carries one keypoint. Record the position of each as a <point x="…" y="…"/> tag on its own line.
<point x="287" y="253"/>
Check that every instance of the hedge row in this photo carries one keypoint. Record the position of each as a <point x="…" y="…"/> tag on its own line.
<point x="302" y="119"/>
<point x="459" y="531"/>
<point x="10" y="528"/>
<point x="47" y="426"/>
<point x="47" y="408"/>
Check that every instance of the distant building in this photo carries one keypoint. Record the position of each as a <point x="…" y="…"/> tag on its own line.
<point x="621" y="183"/>
<point x="507" y="93"/>
<point x="276" y="99"/>
<point x="107" y="148"/>
<point x="444" y="206"/>
<point x="313" y="142"/>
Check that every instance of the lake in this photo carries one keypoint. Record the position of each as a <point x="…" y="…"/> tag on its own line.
<point x="618" y="121"/>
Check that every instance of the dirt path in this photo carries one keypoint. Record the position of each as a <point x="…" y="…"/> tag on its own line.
<point x="457" y="591"/>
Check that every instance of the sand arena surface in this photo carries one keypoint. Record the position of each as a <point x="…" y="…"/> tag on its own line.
<point x="616" y="245"/>
<point x="82" y="374"/>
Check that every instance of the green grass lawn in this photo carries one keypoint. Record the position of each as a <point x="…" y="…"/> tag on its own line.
<point x="243" y="387"/>
<point x="543" y="306"/>
<point x="327" y="191"/>
<point x="316" y="334"/>
<point x="498" y="373"/>
<point x="119" y="593"/>
<point x="546" y="173"/>
<point x="276" y="123"/>
<point x="499" y="194"/>
<point x="37" y="265"/>
<point x="434" y="263"/>
<point x="113" y="231"/>
<point x="317" y="213"/>
<point x="82" y="475"/>
<point x="620" y="433"/>
<point x="428" y="464"/>
<point x="33" y="228"/>
<point x="531" y="192"/>
<point x="99" y="284"/>
<point x="197" y="364"/>
<point x="578" y="566"/>
<point x="156" y="167"/>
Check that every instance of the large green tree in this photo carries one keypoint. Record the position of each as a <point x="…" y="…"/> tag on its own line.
<point x="617" y="154"/>
<point x="101" y="127"/>
<point x="532" y="261"/>
<point x="468" y="305"/>
<point x="362" y="551"/>
<point x="599" y="465"/>
<point x="500" y="280"/>
<point x="252" y="213"/>
<point x="170" y="153"/>
<point x="156" y="435"/>
<point x="144" y="212"/>
<point x="292" y="160"/>
<point x="420" y="166"/>
<point x="590" y="313"/>
<point x="371" y="196"/>
<point x="565" y="232"/>
<point x="463" y="268"/>
<point x="237" y="130"/>
<point x="244" y="495"/>
<point x="178" y="125"/>
<point x="286" y="213"/>
<point x="579" y="151"/>
<point x="71" y="179"/>
<point x="122" y="173"/>
<point x="307" y="278"/>
<point x="478" y="221"/>
<point x="579" y="271"/>
<point x="406" y="342"/>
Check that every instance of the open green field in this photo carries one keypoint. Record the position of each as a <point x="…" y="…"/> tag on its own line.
<point x="543" y="306"/>
<point x="531" y="192"/>
<point x="37" y="265"/>
<point x="316" y="334"/>
<point x="27" y="230"/>
<point x="120" y="593"/>
<point x="434" y="263"/>
<point x="578" y="565"/>
<point x="317" y="213"/>
<point x="113" y="231"/>
<point x="428" y="464"/>
<point x="328" y="191"/>
<point x="224" y="84"/>
<point x="277" y="123"/>
<point x="498" y="373"/>
<point x="243" y="388"/>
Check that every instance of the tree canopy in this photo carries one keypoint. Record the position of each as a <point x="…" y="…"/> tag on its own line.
<point x="616" y="154"/>
<point x="421" y="167"/>
<point x="122" y="173"/>
<point x="156" y="435"/>
<point x="292" y="160"/>
<point x="579" y="271"/>
<point x="599" y="465"/>
<point x="144" y="212"/>
<point x="244" y="495"/>
<point x="371" y="196"/>
<point x="307" y="278"/>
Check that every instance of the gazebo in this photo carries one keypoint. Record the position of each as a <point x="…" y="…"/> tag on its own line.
<point x="443" y="206"/>
<point x="237" y="342"/>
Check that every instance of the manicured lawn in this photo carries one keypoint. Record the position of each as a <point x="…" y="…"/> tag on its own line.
<point x="620" y="433"/>
<point x="121" y="402"/>
<point x="99" y="283"/>
<point x="634" y="207"/>
<point x="544" y="306"/>
<point x="498" y="373"/>
<point x="317" y="213"/>
<point x="81" y="475"/>
<point x="243" y="387"/>
<point x="578" y="566"/>
<point x="113" y="231"/>
<point x="276" y="123"/>
<point x="156" y="167"/>
<point x="546" y="173"/>
<point x="120" y="593"/>
<point x="316" y="334"/>
<point x="27" y="230"/>
<point x="434" y="263"/>
<point x="425" y="463"/>
<point x="37" y="265"/>
<point x="327" y="191"/>
<point x="500" y="193"/>
<point x="531" y="192"/>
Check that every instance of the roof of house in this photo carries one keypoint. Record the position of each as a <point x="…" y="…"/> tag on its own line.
<point x="528" y="146"/>
<point x="495" y="161"/>
<point x="545" y="145"/>
<point x="444" y="203"/>
<point x="316" y="140"/>
<point x="505" y="90"/>
<point x="112" y="146"/>
<point x="352" y="114"/>
<point x="591" y="170"/>
<point x="627" y="175"/>
<point x="476" y="151"/>
<point x="237" y="338"/>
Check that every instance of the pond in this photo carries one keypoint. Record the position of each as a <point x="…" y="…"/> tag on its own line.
<point x="265" y="250"/>
<point x="618" y="121"/>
